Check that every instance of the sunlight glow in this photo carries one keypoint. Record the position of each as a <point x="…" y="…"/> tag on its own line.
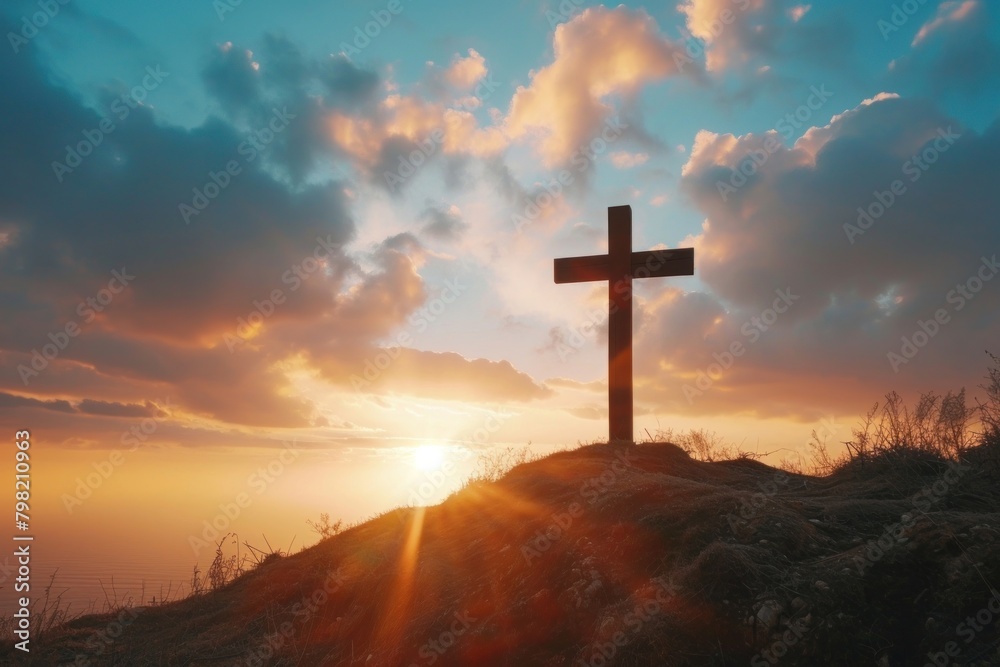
<point x="428" y="457"/>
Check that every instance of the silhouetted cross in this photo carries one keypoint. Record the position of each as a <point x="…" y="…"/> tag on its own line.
<point x="619" y="267"/>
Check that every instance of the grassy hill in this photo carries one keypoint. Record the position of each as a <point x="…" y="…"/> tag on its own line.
<point x="610" y="555"/>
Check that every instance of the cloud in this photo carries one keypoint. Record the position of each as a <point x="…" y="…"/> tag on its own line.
<point x="955" y="11"/>
<point x="797" y="12"/>
<point x="593" y="412"/>
<point x="8" y="401"/>
<point x="565" y="383"/>
<point x="443" y="223"/>
<point x="232" y="76"/>
<point x="403" y="132"/>
<point x="450" y="376"/>
<point x="110" y="409"/>
<point x="739" y="33"/>
<point x="180" y="326"/>
<point x="626" y="160"/>
<point x="86" y="406"/>
<point x="464" y="73"/>
<point x="599" y="54"/>
<point x="391" y="137"/>
<point x="955" y="52"/>
<point x="787" y="230"/>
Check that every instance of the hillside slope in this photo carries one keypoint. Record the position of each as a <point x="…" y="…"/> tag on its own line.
<point x="613" y="556"/>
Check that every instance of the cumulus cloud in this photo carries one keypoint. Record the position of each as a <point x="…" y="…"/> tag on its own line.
<point x="400" y="127"/>
<point x="393" y="135"/>
<point x="464" y="73"/>
<point x="737" y="33"/>
<point x="443" y="223"/>
<point x="850" y="297"/>
<point x="599" y="54"/>
<point x="222" y="306"/>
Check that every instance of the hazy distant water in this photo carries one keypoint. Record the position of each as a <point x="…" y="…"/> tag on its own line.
<point x="131" y="540"/>
<point x="79" y="580"/>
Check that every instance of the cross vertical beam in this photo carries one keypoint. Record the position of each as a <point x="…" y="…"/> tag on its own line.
<point x="619" y="267"/>
<point x="620" y="323"/>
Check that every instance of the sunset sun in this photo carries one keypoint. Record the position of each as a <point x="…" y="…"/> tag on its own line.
<point x="428" y="457"/>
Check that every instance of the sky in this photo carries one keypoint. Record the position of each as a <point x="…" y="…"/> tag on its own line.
<point x="230" y="225"/>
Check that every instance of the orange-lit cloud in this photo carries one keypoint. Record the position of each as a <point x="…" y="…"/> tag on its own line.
<point x="464" y="73"/>
<point x="626" y="160"/>
<point x="599" y="54"/>
<point x="448" y="376"/>
<point x="778" y="221"/>
<point x="955" y="11"/>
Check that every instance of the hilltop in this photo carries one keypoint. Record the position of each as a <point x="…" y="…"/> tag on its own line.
<point x="609" y="555"/>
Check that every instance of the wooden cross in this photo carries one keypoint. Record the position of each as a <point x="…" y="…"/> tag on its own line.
<point x="619" y="267"/>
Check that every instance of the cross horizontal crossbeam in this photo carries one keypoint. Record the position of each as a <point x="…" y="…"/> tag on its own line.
<point x="645" y="264"/>
<point x="619" y="267"/>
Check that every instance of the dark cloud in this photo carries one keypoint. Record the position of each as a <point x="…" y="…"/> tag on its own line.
<point x="956" y="52"/>
<point x="232" y="77"/>
<point x="347" y="84"/>
<point x="856" y="294"/>
<point x="129" y="410"/>
<point x="443" y="223"/>
<point x="188" y="285"/>
<point x="771" y="30"/>
<point x="8" y="401"/>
